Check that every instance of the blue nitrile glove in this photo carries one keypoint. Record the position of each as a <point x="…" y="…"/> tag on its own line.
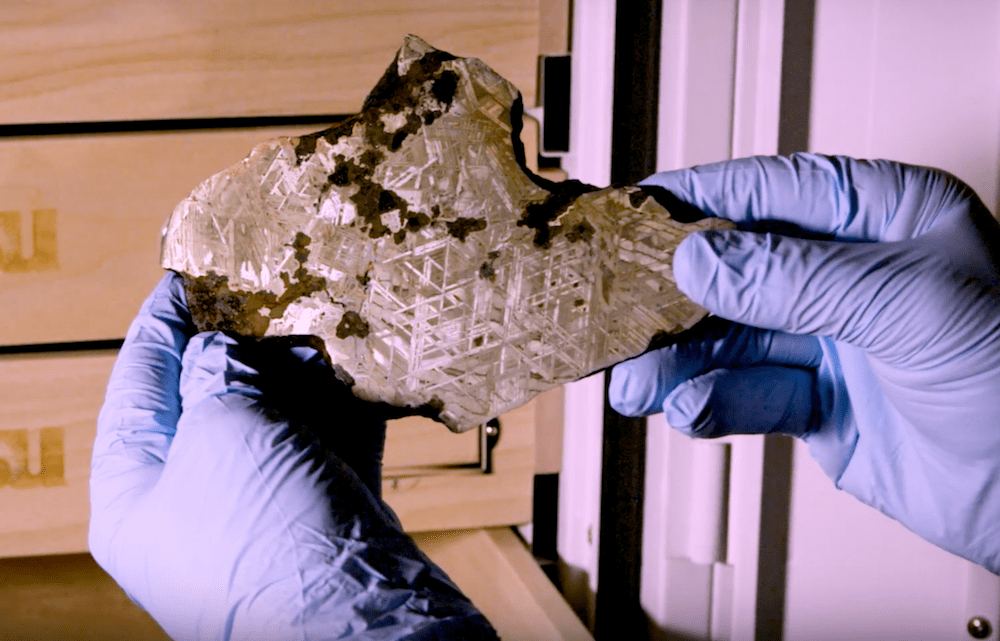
<point x="883" y="356"/>
<point x="234" y="495"/>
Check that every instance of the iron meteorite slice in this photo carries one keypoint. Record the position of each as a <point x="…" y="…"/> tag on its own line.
<point x="435" y="268"/>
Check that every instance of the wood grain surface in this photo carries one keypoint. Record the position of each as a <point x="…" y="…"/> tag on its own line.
<point x="496" y="572"/>
<point x="43" y="486"/>
<point x="101" y="60"/>
<point x="68" y="598"/>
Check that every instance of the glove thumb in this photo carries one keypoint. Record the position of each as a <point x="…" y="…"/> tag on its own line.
<point x="865" y="294"/>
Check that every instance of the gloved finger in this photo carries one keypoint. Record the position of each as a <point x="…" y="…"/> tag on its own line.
<point x="291" y="376"/>
<point x="271" y="532"/>
<point x="872" y="295"/>
<point x="754" y="400"/>
<point x="828" y="196"/>
<point x="638" y="387"/>
<point x="141" y="409"/>
<point x="226" y="387"/>
<point x="299" y="383"/>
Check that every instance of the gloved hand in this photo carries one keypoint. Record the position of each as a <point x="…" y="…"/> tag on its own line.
<point x="879" y="346"/>
<point x="235" y="494"/>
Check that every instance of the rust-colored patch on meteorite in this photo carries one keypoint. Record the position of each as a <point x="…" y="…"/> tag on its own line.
<point x="406" y="94"/>
<point x="487" y="271"/>
<point x="461" y="227"/>
<point x="421" y="95"/>
<point x="539" y="215"/>
<point x="215" y="306"/>
<point x="581" y="231"/>
<point x="305" y="145"/>
<point x="352" y="324"/>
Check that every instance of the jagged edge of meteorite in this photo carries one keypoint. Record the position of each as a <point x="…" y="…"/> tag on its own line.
<point x="216" y="307"/>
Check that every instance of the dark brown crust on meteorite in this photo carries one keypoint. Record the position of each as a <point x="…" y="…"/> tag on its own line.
<point x="394" y="94"/>
<point x="216" y="307"/>
<point x="539" y="215"/>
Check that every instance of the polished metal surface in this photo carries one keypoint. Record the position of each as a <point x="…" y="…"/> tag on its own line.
<point x="436" y="269"/>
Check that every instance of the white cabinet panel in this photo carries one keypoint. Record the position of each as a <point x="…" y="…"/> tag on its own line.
<point x="915" y="81"/>
<point x="856" y="574"/>
<point x="910" y="80"/>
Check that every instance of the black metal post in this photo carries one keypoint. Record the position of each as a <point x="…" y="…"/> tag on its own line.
<point x="793" y="135"/>
<point x="619" y="613"/>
